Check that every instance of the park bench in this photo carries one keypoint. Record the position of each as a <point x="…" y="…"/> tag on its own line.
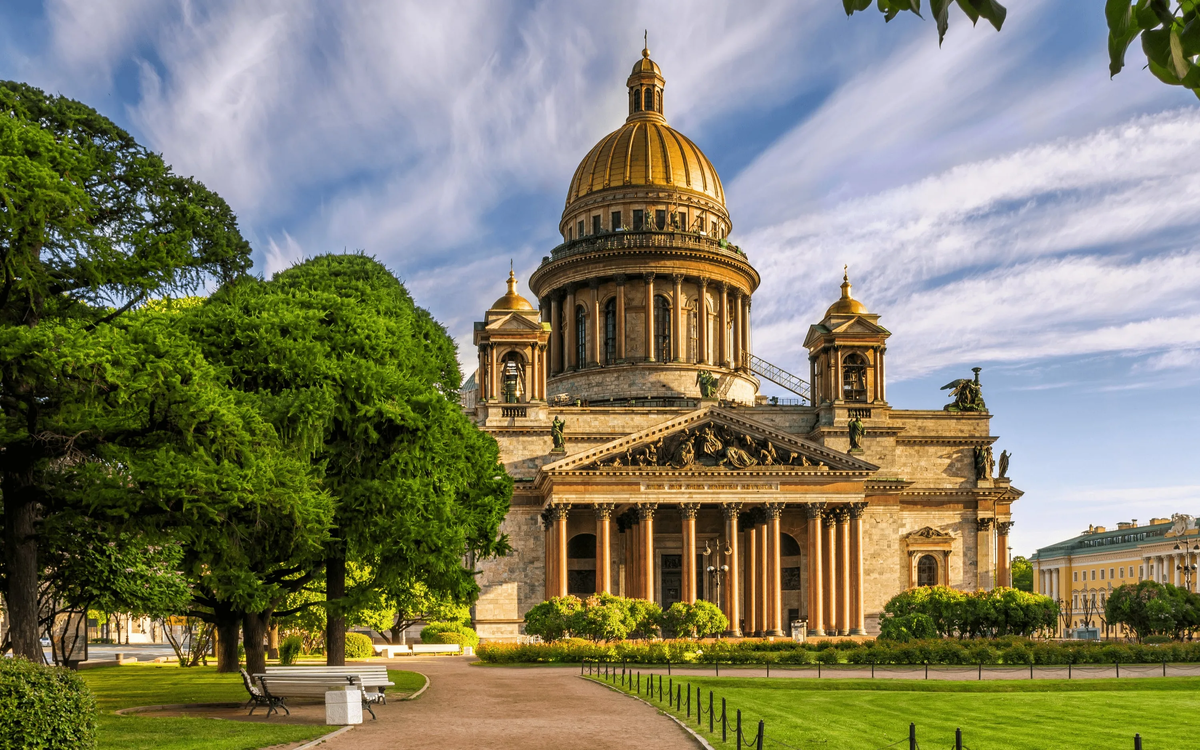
<point x="388" y="651"/>
<point x="366" y="682"/>
<point x="436" y="648"/>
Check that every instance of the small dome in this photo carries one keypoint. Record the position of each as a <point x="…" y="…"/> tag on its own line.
<point x="847" y="305"/>
<point x="511" y="300"/>
<point x="645" y="65"/>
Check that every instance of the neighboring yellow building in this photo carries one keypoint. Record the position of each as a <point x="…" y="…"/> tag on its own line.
<point x="1080" y="573"/>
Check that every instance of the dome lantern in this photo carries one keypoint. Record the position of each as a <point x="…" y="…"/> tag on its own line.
<point x="645" y="90"/>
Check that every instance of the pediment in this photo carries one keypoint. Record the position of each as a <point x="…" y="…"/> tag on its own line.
<point x="927" y="535"/>
<point x="858" y="325"/>
<point x="514" y="322"/>
<point x="712" y="439"/>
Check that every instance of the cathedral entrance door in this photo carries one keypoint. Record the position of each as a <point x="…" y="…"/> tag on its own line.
<point x="672" y="580"/>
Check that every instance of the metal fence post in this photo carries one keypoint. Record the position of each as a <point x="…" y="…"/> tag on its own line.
<point x="872" y="670"/>
<point x="980" y="671"/>
<point x="668" y="667"/>
<point x="699" y="707"/>
<point x="717" y="667"/>
<point x="1137" y="742"/>
<point x="659" y="688"/>
<point x="739" y="728"/>
<point x="1164" y="667"/>
<point x="1031" y="671"/>
<point x="958" y="738"/>
<point x="1118" y="670"/>
<point x="818" y="670"/>
<point x="710" y="712"/>
<point x="761" y="735"/>
<point x="927" y="670"/>
<point x="689" y="705"/>
<point x="1068" y="670"/>
<point x="912" y="736"/>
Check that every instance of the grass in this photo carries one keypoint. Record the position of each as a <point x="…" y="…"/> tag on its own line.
<point x="1000" y="715"/>
<point x="159" y="684"/>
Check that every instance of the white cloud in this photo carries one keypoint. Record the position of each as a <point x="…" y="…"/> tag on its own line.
<point x="1067" y="247"/>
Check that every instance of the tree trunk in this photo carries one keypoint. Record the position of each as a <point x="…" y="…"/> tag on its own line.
<point x="254" y="634"/>
<point x="21" y="566"/>
<point x="273" y="642"/>
<point x="396" y="633"/>
<point x="228" y="625"/>
<point x="335" y="621"/>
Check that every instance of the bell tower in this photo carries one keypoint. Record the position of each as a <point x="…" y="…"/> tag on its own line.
<point x="845" y="351"/>
<point x="512" y="342"/>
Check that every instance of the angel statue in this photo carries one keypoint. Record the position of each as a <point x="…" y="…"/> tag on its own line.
<point x="708" y="384"/>
<point x="1004" y="457"/>
<point x="967" y="393"/>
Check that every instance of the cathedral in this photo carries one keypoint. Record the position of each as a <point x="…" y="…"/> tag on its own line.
<point x="647" y="464"/>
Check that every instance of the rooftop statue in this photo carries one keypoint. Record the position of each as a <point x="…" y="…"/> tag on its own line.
<point x="967" y="393"/>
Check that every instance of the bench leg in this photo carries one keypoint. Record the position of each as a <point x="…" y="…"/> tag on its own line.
<point x="367" y="706"/>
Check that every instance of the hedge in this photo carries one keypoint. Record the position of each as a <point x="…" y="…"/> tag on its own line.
<point x="359" y="646"/>
<point x="449" y="632"/>
<point x="44" y="707"/>
<point x="1009" y="650"/>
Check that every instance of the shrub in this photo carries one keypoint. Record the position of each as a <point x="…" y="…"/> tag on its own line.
<point x="553" y="619"/>
<point x="449" y="632"/>
<point x="289" y="649"/>
<point x="604" y="617"/>
<point x="699" y="620"/>
<point x="359" y="646"/>
<point x="44" y="706"/>
<point x="904" y="628"/>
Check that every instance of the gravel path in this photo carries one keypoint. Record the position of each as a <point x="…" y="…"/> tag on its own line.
<point x="522" y="708"/>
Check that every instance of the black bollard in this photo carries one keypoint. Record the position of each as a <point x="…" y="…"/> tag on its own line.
<point x="739" y="727"/>
<point x="912" y="736"/>
<point x="1137" y="742"/>
<point x="689" y="703"/>
<point x="724" y="723"/>
<point x="958" y="738"/>
<point x="762" y="735"/>
<point x="710" y="712"/>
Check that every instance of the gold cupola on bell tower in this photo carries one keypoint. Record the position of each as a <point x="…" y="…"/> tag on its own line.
<point x="512" y="342"/>
<point x="846" y="353"/>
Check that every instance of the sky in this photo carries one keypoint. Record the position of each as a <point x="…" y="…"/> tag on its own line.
<point x="999" y="200"/>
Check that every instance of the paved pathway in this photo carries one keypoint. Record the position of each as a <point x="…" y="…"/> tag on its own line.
<point x="522" y="708"/>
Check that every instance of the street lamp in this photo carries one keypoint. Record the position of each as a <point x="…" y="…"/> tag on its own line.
<point x="1188" y="567"/>
<point x="716" y="572"/>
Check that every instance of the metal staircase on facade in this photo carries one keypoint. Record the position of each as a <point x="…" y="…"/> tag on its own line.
<point x="778" y="375"/>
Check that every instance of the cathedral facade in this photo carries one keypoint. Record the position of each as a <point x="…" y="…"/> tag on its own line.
<point x="647" y="464"/>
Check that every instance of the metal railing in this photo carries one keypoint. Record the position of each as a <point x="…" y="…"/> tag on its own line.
<point x="776" y="374"/>
<point x="644" y="238"/>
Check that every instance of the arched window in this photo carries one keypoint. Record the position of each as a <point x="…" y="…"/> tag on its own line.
<point x="927" y="571"/>
<point x="662" y="329"/>
<point x="637" y="101"/>
<point x="788" y="546"/>
<point x="648" y="100"/>
<point x="854" y="377"/>
<point x="610" y="331"/>
<point x="512" y="378"/>
<point x="580" y="336"/>
<point x="582" y="547"/>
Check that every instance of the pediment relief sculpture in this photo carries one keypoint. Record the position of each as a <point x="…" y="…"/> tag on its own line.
<point x="713" y="446"/>
<point x="928" y="534"/>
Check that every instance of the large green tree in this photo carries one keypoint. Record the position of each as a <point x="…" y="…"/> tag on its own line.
<point x="91" y="225"/>
<point x="1170" y="31"/>
<point x="342" y="362"/>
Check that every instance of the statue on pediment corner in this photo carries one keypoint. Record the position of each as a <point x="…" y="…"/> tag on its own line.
<point x="967" y="394"/>
<point x="857" y="431"/>
<point x="1004" y="458"/>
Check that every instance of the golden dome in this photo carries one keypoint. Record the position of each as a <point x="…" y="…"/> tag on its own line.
<point x="646" y="65"/>
<point x="847" y="305"/>
<point x="646" y="152"/>
<point x="511" y="300"/>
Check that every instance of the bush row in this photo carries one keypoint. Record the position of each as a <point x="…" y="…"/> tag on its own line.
<point x="449" y="632"/>
<point x="604" y="617"/>
<point x="1009" y="650"/>
<point x="933" y="611"/>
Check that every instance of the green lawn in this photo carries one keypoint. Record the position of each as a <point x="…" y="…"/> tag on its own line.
<point x="1039" y="715"/>
<point x="158" y="684"/>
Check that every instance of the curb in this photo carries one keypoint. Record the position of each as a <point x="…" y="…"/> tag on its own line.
<point x="172" y="707"/>
<point x="417" y="694"/>
<point x="699" y="740"/>
<point x="319" y="740"/>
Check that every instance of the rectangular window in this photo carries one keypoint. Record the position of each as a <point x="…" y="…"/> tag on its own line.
<point x="1093" y="574"/>
<point x="596" y="224"/>
<point x="714" y="229"/>
<point x="1110" y="573"/>
<point x="1121" y="571"/>
<point x="1141" y="571"/>
<point x="660" y="218"/>
<point x="681" y="220"/>
<point x="616" y="220"/>
<point x="1102" y="574"/>
<point x="638" y="220"/>
<point x="1076" y="575"/>
<point x="580" y="228"/>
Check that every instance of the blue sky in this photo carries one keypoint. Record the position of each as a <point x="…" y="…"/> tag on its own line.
<point x="999" y="200"/>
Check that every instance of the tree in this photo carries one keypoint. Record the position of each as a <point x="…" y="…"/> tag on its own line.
<point x="1022" y="574"/>
<point x="414" y="603"/>
<point x="1170" y="32"/>
<point x="341" y="361"/>
<point x="91" y="225"/>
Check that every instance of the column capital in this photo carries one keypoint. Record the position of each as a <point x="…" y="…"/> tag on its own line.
<point x="559" y="512"/>
<point x="620" y="279"/>
<point x="604" y="510"/>
<point x="813" y="511"/>
<point x="702" y="282"/>
<point x="677" y="278"/>
<point x="648" y="276"/>
<point x="723" y="286"/>
<point x="731" y="510"/>
<point x="737" y="293"/>
<point x="645" y="511"/>
<point x="689" y="510"/>
<point x="984" y="524"/>
<point x="829" y="518"/>
<point x="841" y="514"/>
<point x="1003" y="527"/>
<point x="856" y="510"/>
<point x="773" y="510"/>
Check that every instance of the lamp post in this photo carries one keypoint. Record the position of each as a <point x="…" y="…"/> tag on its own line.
<point x="1188" y="567"/>
<point x="714" y="571"/>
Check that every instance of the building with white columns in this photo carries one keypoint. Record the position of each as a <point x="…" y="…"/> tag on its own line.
<point x="647" y="463"/>
<point x="1081" y="572"/>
